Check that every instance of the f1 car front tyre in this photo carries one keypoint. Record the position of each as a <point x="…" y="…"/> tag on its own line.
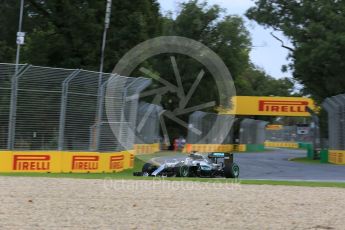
<point x="231" y="170"/>
<point x="184" y="171"/>
<point x="148" y="168"/>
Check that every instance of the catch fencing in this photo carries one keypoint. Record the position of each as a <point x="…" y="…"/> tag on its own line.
<point x="148" y="139"/>
<point x="335" y="107"/>
<point x="209" y="128"/>
<point x="209" y="132"/>
<point x="46" y="108"/>
<point x="148" y="125"/>
<point x="289" y="134"/>
<point x="203" y="129"/>
<point x="252" y="131"/>
<point x="212" y="132"/>
<point x="285" y="134"/>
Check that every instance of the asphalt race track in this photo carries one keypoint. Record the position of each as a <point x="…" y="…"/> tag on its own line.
<point x="275" y="165"/>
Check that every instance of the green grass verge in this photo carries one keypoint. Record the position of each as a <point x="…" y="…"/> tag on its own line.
<point x="147" y="157"/>
<point x="128" y="175"/>
<point x="305" y="160"/>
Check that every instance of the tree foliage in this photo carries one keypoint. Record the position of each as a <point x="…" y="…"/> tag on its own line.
<point x="227" y="36"/>
<point x="68" y="34"/>
<point x="316" y="30"/>
<point x="255" y="82"/>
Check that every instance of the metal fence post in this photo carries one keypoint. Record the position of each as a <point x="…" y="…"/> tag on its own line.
<point x="139" y="85"/>
<point x="341" y="105"/>
<point x="260" y="132"/>
<point x="245" y="131"/>
<point x="122" y="118"/>
<point x="333" y="119"/>
<point x="13" y="107"/>
<point x="114" y="101"/>
<point x="100" y="114"/>
<point x="253" y="131"/>
<point x="64" y="97"/>
<point x="337" y="122"/>
<point x="148" y="123"/>
<point x="242" y="138"/>
<point x="195" y="123"/>
<point x="342" y="99"/>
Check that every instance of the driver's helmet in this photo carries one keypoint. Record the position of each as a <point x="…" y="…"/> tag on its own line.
<point x="196" y="156"/>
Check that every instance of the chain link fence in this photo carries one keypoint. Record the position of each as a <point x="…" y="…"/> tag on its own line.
<point x="285" y="134"/>
<point x="121" y="111"/>
<point x="252" y="131"/>
<point x="209" y="128"/>
<point x="52" y="108"/>
<point x="335" y="107"/>
<point x="289" y="134"/>
<point x="148" y="125"/>
<point x="6" y="72"/>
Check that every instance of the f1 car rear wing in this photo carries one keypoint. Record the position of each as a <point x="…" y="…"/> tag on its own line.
<point x="218" y="155"/>
<point x="225" y="156"/>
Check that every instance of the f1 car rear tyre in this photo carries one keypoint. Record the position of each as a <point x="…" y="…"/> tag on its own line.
<point x="231" y="170"/>
<point x="184" y="171"/>
<point x="148" y="168"/>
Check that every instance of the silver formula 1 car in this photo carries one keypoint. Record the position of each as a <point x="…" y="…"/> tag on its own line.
<point x="216" y="164"/>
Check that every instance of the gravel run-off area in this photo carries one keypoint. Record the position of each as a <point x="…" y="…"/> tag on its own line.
<point x="52" y="203"/>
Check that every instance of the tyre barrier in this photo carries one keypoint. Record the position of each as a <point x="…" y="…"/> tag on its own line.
<point x="240" y="148"/>
<point x="207" y="148"/>
<point x="146" y="148"/>
<point x="65" y="162"/>
<point x="293" y="145"/>
<point x="336" y="157"/>
<point x="214" y="148"/>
